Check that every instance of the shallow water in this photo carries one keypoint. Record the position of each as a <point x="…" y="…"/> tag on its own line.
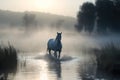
<point x="74" y="64"/>
<point x="42" y="68"/>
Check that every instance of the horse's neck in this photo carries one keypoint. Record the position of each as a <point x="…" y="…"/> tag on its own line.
<point x="57" y="41"/>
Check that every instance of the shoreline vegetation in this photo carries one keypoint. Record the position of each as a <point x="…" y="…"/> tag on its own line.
<point x="108" y="59"/>
<point x="8" y="59"/>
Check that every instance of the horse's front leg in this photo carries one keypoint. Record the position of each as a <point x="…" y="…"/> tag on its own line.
<point x="59" y="55"/>
<point x="55" y="54"/>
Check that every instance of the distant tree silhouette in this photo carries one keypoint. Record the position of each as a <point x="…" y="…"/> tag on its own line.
<point x="106" y="14"/>
<point x="59" y="23"/>
<point x="29" y="20"/>
<point x="105" y="10"/>
<point x="116" y="26"/>
<point x="86" y="17"/>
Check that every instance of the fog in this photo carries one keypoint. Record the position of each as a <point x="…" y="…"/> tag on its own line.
<point x="36" y="40"/>
<point x="76" y="56"/>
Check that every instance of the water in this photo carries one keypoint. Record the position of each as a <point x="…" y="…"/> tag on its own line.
<point x="41" y="67"/>
<point x="74" y="64"/>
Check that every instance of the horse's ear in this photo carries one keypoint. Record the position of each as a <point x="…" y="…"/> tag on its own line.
<point x="57" y="32"/>
<point x="61" y="32"/>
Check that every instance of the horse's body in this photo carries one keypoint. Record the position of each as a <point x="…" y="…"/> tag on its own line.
<point x="55" y="45"/>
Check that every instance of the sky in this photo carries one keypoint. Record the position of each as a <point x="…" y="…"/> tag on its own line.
<point x="60" y="7"/>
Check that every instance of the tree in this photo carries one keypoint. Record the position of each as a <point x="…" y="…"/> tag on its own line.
<point x="105" y="11"/>
<point x="86" y="17"/>
<point x="29" y="20"/>
<point x="116" y="25"/>
<point x="59" y="23"/>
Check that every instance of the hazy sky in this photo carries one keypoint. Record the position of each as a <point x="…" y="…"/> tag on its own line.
<point x="61" y="7"/>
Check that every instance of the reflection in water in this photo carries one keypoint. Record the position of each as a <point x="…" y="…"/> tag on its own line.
<point x="47" y="69"/>
<point x="43" y="71"/>
<point x="87" y="69"/>
<point x="9" y="71"/>
<point x="56" y="67"/>
<point x="82" y="68"/>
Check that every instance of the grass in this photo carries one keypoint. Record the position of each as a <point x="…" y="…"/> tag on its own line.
<point x="8" y="58"/>
<point x="108" y="59"/>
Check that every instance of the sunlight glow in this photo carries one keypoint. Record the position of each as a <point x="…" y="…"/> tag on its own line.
<point x="60" y="7"/>
<point x="43" y="72"/>
<point x="44" y="4"/>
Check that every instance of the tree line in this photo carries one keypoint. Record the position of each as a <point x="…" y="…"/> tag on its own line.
<point x="103" y="16"/>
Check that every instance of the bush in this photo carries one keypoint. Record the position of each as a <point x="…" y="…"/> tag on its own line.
<point x="8" y="58"/>
<point x="108" y="59"/>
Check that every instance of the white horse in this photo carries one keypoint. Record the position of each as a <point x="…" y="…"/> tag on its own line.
<point x="55" y="45"/>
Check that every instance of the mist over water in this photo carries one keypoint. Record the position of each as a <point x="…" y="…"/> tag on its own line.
<point x="36" y="40"/>
<point x="90" y="42"/>
<point x="35" y="65"/>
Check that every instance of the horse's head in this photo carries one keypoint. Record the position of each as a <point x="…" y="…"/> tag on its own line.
<point x="59" y="36"/>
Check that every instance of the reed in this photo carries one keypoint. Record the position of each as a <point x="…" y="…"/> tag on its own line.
<point x="8" y="58"/>
<point x="108" y="59"/>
